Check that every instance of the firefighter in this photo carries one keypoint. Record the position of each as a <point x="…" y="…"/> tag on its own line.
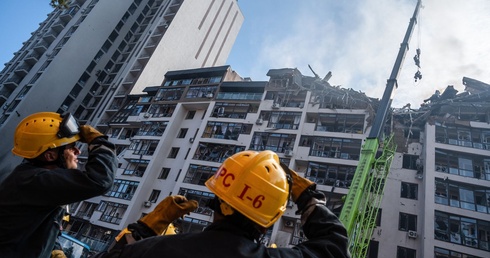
<point x="252" y="190"/>
<point x="32" y="196"/>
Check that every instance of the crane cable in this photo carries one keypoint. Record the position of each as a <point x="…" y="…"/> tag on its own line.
<point x="418" y="75"/>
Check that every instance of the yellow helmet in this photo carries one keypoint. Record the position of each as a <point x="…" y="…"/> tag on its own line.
<point x="38" y="133"/>
<point x="254" y="184"/>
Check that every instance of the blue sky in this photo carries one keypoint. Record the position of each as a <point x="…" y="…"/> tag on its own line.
<point x="357" y="40"/>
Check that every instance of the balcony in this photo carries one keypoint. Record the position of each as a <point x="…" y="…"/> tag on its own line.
<point x="12" y="82"/>
<point x="41" y="47"/>
<point x="4" y="95"/>
<point x="58" y="27"/>
<point x="32" y="58"/>
<point x="22" y="70"/>
<point x="49" y="37"/>
<point x="69" y="14"/>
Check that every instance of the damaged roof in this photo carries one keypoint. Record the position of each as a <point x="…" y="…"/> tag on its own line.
<point x="322" y="91"/>
<point x="471" y="105"/>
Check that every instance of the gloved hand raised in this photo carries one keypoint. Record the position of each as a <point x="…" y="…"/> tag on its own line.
<point x="168" y="210"/>
<point x="300" y="184"/>
<point x="88" y="133"/>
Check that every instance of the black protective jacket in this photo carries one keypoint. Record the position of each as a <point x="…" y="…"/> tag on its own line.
<point x="327" y="238"/>
<point x="31" y="198"/>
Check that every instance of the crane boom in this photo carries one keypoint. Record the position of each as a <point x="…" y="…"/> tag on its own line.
<point x="364" y="197"/>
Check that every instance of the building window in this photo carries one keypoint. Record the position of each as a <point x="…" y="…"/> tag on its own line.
<point x="201" y="92"/>
<point x="407" y="222"/>
<point x="463" y="164"/>
<point x="340" y="148"/>
<point x="112" y="212"/>
<point x="282" y="120"/>
<point x="373" y="249"/>
<point x="233" y="110"/>
<point x="410" y="161"/>
<point x="342" y="123"/>
<point x="173" y="153"/>
<point x="403" y="252"/>
<point x="123" y="189"/>
<point x="330" y="174"/>
<point x="223" y="130"/>
<point x="216" y="152"/>
<point x="152" y="128"/>
<point x="136" y="167"/>
<point x="464" y="196"/>
<point x="198" y="175"/>
<point x="190" y="114"/>
<point x="161" y="110"/>
<point x="164" y="173"/>
<point x="143" y="147"/>
<point x="445" y="253"/>
<point x="409" y="191"/>
<point x="201" y="197"/>
<point x="86" y="210"/>
<point x="154" y="196"/>
<point x="378" y="217"/>
<point x="272" y="141"/>
<point x="182" y="133"/>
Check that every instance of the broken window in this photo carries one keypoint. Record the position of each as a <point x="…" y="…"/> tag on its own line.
<point x="201" y="197"/>
<point x="154" y="196"/>
<point x="330" y="174"/>
<point x="410" y="161"/>
<point x="403" y="252"/>
<point x="342" y="123"/>
<point x="136" y="167"/>
<point x="233" y="110"/>
<point x="340" y="148"/>
<point x="409" y="191"/>
<point x="276" y="142"/>
<point x="112" y="212"/>
<point x="225" y="130"/>
<point x="123" y="189"/>
<point x="216" y="152"/>
<point x="152" y="128"/>
<point x="198" y="175"/>
<point x="407" y="222"/>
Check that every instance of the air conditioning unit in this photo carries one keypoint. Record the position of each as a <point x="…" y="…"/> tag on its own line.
<point x="288" y="153"/>
<point x="412" y="234"/>
<point x="276" y="106"/>
<point x="147" y="204"/>
<point x="191" y="140"/>
<point x="419" y="176"/>
<point x="289" y="223"/>
<point x="146" y="115"/>
<point x="259" y="121"/>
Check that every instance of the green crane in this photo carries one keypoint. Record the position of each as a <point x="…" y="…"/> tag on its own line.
<point x="366" y="191"/>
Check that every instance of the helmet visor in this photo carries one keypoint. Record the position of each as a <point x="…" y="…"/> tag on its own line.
<point x="69" y="127"/>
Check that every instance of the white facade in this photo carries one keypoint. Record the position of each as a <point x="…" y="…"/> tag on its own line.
<point x="93" y="54"/>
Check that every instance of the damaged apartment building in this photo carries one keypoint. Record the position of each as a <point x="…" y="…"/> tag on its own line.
<point x="171" y="138"/>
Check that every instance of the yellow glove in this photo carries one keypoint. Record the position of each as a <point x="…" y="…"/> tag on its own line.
<point x="57" y="254"/>
<point x="168" y="210"/>
<point x="300" y="184"/>
<point x="88" y="133"/>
